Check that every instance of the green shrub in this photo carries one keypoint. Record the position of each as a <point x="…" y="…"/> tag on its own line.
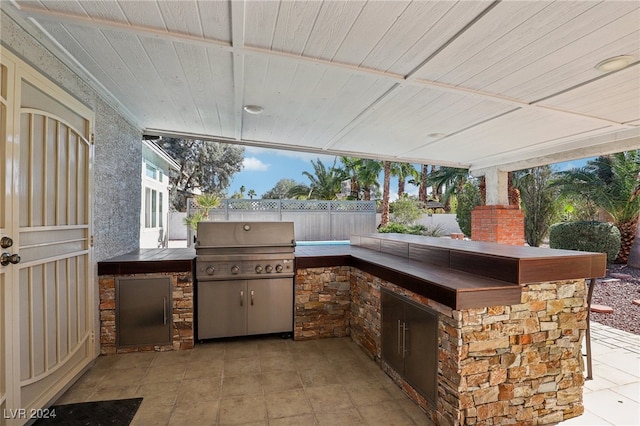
<point x="418" y="229"/>
<point x="599" y="237"/>
<point x="394" y="228"/>
<point x="406" y="210"/>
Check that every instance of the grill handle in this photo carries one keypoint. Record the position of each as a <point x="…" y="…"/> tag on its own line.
<point x="252" y="293"/>
<point x="241" y="298"/>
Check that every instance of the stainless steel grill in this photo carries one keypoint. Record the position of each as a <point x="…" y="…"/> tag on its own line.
<point x="244" y="273"/>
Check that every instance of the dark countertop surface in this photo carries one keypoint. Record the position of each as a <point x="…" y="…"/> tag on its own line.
<point x="144" y="261"/>
<point x="456" y="289"/>
<point x="144" y="255"/>
<point x="459" y="274"/>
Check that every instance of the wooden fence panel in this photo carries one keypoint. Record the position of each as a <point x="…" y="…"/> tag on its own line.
<point x="314" y="220"/>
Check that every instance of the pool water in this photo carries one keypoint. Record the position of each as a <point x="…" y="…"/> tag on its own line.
<point x="323" y="243"/>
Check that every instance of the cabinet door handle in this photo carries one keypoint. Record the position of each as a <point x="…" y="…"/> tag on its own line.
<point x="164" y="310"/>
<point x="399" y="337"/>
<point x="241" y="298"/>
<point x="404" y="339"/>
<point x="252" y="292"/>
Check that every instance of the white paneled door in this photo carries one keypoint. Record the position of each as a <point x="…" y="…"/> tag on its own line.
<point x="46" y="278"/>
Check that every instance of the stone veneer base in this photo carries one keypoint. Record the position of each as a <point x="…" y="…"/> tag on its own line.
<point x="518" y="364"/>
<point x="182" y="296"/>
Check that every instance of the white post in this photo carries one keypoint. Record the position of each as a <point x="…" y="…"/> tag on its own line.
<point x="497" y="185"/>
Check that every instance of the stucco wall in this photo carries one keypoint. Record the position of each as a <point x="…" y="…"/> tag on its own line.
<point x="118" y="163"/>
<point x="117" y="154"/>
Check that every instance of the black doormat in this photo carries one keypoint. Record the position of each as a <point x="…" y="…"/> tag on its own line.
<point x="117" y="412"/>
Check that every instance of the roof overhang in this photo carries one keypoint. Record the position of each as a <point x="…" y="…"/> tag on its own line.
<point x="478" y="85"/>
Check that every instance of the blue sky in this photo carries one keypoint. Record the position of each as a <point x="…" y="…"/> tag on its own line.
<point x="264" y="167"/>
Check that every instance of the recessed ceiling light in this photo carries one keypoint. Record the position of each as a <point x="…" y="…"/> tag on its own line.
<point x="614" y="64"/>
<point x="253" y="109"/>
<point x="437" y="135"/>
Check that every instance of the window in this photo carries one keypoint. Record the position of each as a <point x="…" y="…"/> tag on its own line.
<point x="147" y="208"/>
<point x="151" y="171"/>
<point x="153" y="208"/>
<point x="160" y="211"/>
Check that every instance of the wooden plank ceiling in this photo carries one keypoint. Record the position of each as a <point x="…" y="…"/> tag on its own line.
<point x="475" y="84"/>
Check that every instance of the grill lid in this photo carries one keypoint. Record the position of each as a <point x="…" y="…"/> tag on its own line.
<point x="238" y="235"/>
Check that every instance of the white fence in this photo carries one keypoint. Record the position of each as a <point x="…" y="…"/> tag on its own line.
<point x="314" y="220"/>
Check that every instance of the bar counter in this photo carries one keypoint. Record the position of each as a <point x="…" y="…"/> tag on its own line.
<point x="506" y="323"/>
<point x="458" y="274"/>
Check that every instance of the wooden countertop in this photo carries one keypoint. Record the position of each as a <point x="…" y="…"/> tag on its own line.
<point x="145" y="261"/>
<point x="456" y="289"/>
<point x="458" y="274"/>
<point x="515" y="264"/>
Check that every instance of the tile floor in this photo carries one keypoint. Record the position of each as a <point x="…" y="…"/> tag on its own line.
<point x="270" y="381"/>
<point x="265" y="381"/>
<point x="613" y="396"/>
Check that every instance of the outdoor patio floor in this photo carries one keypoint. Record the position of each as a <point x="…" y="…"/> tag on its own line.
<point x="270" y="381"/>
<point x="613" y="396"/>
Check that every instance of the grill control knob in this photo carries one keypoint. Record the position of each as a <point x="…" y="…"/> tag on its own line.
<point x="235" y="269"/>
<point x="258" y="269"/>
<point x="210" y="270"/>
<point x="268" y="268"/>
<point x="278" y="268"/>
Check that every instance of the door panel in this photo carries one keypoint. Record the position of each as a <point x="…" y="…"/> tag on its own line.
<point x="50" y="233"/>
<point x="143" y="311"/>
<point x="3" y="350"/>
<point x="5" y="210"/>
<point x="392" y="323"/>
<point x="46" y="324"/>
<point x="421" y="356"/>
<point x="270" y="306"/>
<point x="222" y="309"/>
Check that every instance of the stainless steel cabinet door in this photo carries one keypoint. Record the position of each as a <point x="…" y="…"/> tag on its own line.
<point x="421" y="349"/>
<point x="410" y="342"/>
<point x="222" y="309"/>
<point x="392" y="330"/>
<point x="270" y="306"/>
<point x="143" y="311"/>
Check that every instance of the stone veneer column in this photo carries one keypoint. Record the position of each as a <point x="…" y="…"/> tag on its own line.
<point x="498" y="224"/>
<point x="322" y="302"/>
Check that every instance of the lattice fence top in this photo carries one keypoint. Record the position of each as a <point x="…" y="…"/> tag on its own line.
<point x="354" y="206"/>
<point x="293" y="205"/>
<point x="252" y="205"/>
<point x="290" y="205"/>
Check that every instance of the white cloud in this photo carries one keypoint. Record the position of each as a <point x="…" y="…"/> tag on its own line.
<point x="253" y="164"/>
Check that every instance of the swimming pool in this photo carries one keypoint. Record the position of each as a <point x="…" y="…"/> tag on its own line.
<point x="323" y="243"/>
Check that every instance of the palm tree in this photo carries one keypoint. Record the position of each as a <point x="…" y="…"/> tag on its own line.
<point x="252" y="193"/>
<point x="421" y="182"/>
<point x="325" y="184"/>
<point x="384" y="221"/>
<point x="451" y="179"/>
<point x="364" y="174"/>
<point x="403" y="171"/>
<point x="368" y="177"/>
<point x="351" y="166"/>
<point x="610" y="181"/>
